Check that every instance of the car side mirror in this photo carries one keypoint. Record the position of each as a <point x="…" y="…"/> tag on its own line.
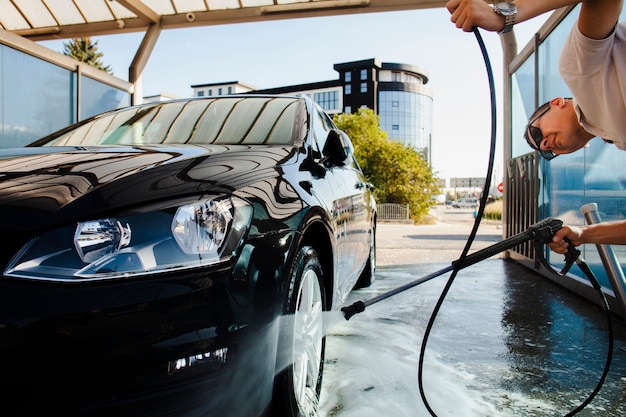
<point x="337" y="148"/>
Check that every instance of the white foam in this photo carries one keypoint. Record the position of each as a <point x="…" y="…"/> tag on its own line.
<point x="371" y="367"/>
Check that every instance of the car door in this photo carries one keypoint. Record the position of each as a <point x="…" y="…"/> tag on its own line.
<point x="350" y="206"/>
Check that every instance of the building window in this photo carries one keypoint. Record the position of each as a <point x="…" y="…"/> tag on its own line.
<point x="230" y="90"/>
<point x="347" y="89"/>
<point x="200" y="93"/>
<point x="210" y="93"/>
<point x="328" y="100"/>
<point x="347" y="76"/>
<point x="219" y="91"/>
<point x="395" y="127"/>
<point x="363" y="74"/>
<point x="363" y="87"/>
<point x="395" y="103"/>
<point x="347" y="109"/>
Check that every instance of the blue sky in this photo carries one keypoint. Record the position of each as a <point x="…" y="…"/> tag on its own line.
<point x="278" y="53"/>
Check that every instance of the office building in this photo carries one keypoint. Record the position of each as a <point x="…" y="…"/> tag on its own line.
<point x="398" y="94"/>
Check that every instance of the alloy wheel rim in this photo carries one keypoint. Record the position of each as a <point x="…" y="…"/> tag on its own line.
<point x="307" y="349"/>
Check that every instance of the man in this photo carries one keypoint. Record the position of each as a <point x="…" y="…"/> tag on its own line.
<point x="593" y="65"/>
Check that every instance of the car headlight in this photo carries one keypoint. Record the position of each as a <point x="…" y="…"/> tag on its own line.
<point x="177" y="236"/>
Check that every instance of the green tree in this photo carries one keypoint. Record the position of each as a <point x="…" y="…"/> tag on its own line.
<point x="85" y="50"/>
<point x="399" y="173"/>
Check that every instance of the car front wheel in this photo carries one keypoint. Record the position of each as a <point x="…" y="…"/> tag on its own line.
<point x="298" y="385"/>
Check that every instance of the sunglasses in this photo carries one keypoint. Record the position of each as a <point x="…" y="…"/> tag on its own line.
<point x="534" y="136"/>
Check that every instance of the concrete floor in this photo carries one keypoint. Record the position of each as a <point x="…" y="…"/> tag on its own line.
<point x="525" y="346"/>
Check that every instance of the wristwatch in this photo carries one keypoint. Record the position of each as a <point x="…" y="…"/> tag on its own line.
<point x="509" y="11"/>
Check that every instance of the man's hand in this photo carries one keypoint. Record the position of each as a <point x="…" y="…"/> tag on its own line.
<point x="467" y="14"/>
<point x="559" y="244"/>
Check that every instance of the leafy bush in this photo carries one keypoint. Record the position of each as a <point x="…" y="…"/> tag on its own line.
<point x="399" y="173"/>
<point x="493" y="211"/>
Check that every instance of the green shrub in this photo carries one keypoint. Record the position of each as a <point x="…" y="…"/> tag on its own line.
<point x="493" y="211"/>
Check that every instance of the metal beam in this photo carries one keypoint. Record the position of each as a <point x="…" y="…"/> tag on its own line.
<point x="135" y="71"/>
<point x="147" y="16"/>
<point x="140" y="9"/>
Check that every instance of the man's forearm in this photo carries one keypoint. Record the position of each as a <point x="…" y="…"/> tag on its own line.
<point x="609" y="233"/>
<point x="596" y="20"/>
<point x="467" y="14"/>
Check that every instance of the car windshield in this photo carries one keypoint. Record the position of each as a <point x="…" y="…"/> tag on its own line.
<point x="245" y="120"/>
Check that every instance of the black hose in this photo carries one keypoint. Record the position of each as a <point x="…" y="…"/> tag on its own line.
<point x="605" y="306"/>
<point x="459" y="264"/>
<point x="481" y="208"/>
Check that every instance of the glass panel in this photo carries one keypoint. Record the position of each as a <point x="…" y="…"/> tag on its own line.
<point x="42" y="97"/>
<point x="407" y="117"/>
<point x="591" y="175"/>
<point x="95" y="11"/>
<point x="550" y="82"/>
<point x="522" y="105"/>
<point x="97" y="97"/>
<point x="37" y="13"/>
<point x="64" y="12"/>
<point x="161" y="6"/>
<point x="221" y="4"/>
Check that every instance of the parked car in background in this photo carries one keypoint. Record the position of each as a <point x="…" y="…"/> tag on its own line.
<point x="465" y="203"/>
<point x="175" y="259"/>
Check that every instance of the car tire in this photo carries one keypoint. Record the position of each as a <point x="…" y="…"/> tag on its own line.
<point x="368" y="276"/>
<point x="298" y="385"/>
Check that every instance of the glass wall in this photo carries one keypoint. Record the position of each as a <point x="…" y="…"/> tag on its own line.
<point x="38" y="97"/>
<point x="591" y="175"/>
<point x="97" y="97"/>
<point x="407" y="117"/>
<point x="523" y="104"/>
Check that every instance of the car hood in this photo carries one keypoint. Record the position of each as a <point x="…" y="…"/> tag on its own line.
<point x="49" y="185"/>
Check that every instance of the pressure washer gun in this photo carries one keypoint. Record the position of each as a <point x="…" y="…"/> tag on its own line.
<point x="543" y="233"/>
<point x="539" y="233"/>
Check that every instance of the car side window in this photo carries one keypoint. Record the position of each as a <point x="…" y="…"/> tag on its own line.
<point x="321" y="126"/>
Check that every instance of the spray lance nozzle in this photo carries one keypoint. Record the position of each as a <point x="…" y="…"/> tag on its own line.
<point x="353" y="309"/>
<point x="539" y="233"/>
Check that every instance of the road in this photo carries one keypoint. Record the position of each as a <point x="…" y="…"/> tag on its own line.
<point x="402" y="244"/>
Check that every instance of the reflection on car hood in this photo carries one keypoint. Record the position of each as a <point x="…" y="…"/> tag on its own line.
<point x="42" y="186"/>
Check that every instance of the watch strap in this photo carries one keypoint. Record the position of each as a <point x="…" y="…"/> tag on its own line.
<point x="509" y="21"/>
<point x="509" y="18"/>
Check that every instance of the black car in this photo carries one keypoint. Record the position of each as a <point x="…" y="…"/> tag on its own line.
<point x="176" y="258"/>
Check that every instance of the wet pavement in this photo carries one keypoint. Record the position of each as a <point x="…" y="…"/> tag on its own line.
<point x="506" y="342"/>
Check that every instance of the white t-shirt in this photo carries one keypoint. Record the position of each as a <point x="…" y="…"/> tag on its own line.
<point x="595" y="72"/>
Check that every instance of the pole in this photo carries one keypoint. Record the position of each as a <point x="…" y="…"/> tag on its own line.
<point x="609" y="260"/>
